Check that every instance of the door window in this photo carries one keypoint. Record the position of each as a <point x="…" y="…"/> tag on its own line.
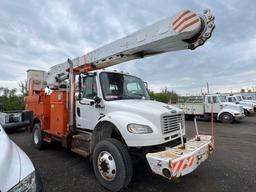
<point x="214" y="99"/>
<point x="89" y="87"/>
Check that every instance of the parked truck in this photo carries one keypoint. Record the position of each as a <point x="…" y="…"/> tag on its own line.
<point x="242" y="100"/>
<point x="12" y="120"/>
<point x="109" y="117"/>
<point x="247" y="106"/>
<point x="203" y="106"/>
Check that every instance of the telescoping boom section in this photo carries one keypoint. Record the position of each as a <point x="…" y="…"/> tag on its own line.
<point x="186" y="30"/>
<point x="109" y="116"/>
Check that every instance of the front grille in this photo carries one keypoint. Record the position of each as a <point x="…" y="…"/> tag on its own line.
<point x="171" y="123"/>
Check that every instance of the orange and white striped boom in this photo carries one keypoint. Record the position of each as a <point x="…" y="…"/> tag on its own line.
<point x="186" y="30"/>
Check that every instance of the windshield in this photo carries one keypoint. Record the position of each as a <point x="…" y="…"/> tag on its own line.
<point x="117" y="86"/>
<point x="222" y="98"/>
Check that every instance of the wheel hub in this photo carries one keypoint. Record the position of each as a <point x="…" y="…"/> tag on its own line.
<point x="226" y="117"/>
<point x="36" y="138"/>
<point x="106" y="165"/>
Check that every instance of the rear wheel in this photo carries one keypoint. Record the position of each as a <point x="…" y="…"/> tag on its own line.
<point x="37" y="136"/>
<point x="226" y="118"/>
<point x="112" y="164"/>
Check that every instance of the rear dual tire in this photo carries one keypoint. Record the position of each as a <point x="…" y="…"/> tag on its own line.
<point x="37" y="136"/>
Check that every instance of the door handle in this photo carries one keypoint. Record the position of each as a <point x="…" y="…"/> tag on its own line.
<point x="78" y="111"/>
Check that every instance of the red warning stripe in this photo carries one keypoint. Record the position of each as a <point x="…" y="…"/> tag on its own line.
<point x="173" y="165"/>
<point x="189" y="24"/>
<point x="191" y="162"/>
<point x="184" y="20"/>
<point x="185" y="165"/>
<point x="182" y="15"/>
<point x="179" y="166"/>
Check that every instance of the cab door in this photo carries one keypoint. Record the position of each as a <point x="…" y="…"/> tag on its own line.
<point x="87" y="112"/>
<point x="212" y="104"/>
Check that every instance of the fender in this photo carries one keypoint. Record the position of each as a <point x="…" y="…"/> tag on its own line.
<point x="231" y="111"/>
<point x="122" y="119"/>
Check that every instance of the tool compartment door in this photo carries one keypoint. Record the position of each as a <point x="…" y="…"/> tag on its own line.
<point x="59" y="114"/>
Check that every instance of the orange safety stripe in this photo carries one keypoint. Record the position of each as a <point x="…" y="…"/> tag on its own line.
<point x="183" y="14"/>
<point x="191" y="162"/>
<point x="173" y="165"/>
<point x="189" y="24"/>
<point x="184" y="20"/>
<point x="184" y="167"/>
<point x="181" y="162"/>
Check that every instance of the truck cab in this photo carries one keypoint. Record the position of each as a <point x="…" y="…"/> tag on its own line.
<point x="225" y="111"/>
<point x="122" y="101"/>
<point x="247" y="106"/>
<point x="250" y="101"/>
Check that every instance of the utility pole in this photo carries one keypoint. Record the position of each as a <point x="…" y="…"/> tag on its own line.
<point x="208" y="91"/>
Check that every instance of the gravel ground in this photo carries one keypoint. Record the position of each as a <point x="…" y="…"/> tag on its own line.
<point x="231" y="167"/>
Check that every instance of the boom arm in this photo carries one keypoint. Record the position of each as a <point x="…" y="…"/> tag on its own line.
<point x="186" y="30"/>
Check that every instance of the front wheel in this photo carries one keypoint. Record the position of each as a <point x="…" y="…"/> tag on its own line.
<point x="246" y="112"/>
<point x="226" y="118"/>
<point x="112" y="164"/>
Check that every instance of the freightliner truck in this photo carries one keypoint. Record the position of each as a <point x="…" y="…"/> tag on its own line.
<point x="108" y="117"/>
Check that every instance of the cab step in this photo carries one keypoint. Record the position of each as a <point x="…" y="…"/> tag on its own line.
<point x="81" y="144"/>
<point x="80" y="152"/>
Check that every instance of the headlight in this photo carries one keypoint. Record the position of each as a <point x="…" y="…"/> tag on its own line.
<point x="28" y="184"/>
<point x="139" y="129"/>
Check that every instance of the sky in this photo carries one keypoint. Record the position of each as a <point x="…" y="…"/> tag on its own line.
<point x="39" y="34"/>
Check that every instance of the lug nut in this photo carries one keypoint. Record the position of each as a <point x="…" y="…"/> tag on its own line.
<point x="200" y="41"/>
<point x="210" y="25"/>
<point x="210" y="17"/>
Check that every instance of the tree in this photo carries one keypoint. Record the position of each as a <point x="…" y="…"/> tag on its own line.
<point x="23" y="88"/>
<point x="10" y="100"/>
<point x="164" y="96"/>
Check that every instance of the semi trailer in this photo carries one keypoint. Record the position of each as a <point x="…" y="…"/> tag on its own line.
<point x="108" y="117"/>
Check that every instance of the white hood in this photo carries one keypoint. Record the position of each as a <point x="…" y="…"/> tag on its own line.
<point x="233" y="106"/>
<point x="14" y="163"/>
<point x="253" y="102"/>
<point x="142" y="107"/>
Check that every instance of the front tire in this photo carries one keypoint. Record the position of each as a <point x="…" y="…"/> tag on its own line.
<point x="37" y="136"/>
<point x="246" y="112"/>
<point x="226" y="118"/>
<point x="112" y="164"/>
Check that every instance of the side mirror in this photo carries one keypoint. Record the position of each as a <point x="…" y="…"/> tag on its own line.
<point x="146" y="84"/>
<point x="237" y="102"/>
<point x="97" y="99"/>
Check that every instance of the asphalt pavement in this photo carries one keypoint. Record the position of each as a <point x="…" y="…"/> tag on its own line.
<point x="230" y="168"/>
